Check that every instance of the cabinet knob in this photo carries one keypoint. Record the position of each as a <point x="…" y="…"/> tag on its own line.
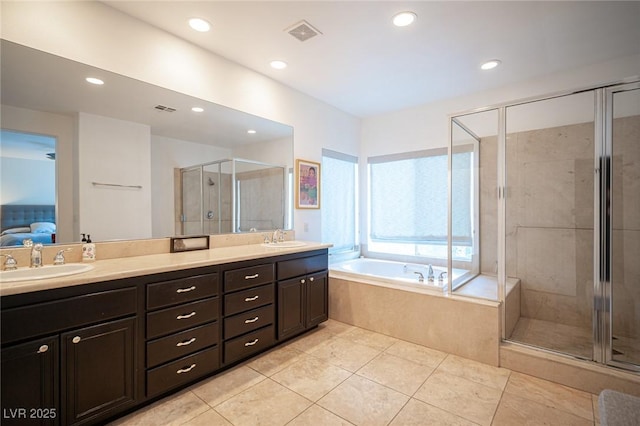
<point x="186" y="370"/>
<point x="311" y="279"/>
<point x="76" y="339"/>
<point x="185" y="316"/>
<point x="302" y="281"/>
<point x="43" y="349"/>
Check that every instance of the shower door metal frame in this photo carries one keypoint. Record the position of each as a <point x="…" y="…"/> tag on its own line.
<point x="603" y="289"/>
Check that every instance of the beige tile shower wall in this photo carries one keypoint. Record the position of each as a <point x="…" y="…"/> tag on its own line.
<point x="550" y="184"/>
<point x="462" y="326"/>
<point x="550" y="221"/>
<point x="262" y="199"/>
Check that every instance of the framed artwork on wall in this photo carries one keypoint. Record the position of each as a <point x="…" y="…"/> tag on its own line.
<point x="308" y="184"/>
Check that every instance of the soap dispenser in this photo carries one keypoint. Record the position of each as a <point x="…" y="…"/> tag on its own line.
<point x="88" y="249"/>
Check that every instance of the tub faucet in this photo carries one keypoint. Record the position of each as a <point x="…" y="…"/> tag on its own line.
<point x="430" y="275"/>
<point x="36" y="253"/>
<point x="420" y="276"/>
<point x="441" y="276"/>
<point x="10" y="264"/>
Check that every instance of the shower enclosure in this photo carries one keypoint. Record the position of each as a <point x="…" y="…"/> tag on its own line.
<point x="231" y="195"/>
<point x="558" y="196"/>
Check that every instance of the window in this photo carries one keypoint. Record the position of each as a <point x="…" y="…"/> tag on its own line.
<point x="408" y="196"/>
<point x="339" y="201"/>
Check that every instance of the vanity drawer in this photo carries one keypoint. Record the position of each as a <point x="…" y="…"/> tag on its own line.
<point x="237" y="279"/>
<point x="241" y="347"/>
<point x="248" y="321"/>
<point x="181" y="317"/>
<point x="302" y="266"/>
<point x="183" y="290"/>
<point x="248" y="299"/>
<point x="182" y="344"/>
<point x="51" y="317"/>
<point x="182" y="371"/>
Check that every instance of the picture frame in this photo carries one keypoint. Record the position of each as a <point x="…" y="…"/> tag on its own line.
<point x="307" y="188"/>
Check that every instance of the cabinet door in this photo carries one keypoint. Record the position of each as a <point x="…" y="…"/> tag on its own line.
<point x="30" y="383"/>
<point x="290" y="307"/>
<point x="98" y="370"/>
<point x="317" y="299"/>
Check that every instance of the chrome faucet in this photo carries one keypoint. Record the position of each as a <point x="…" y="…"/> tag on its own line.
<point x="420" y="276"/>
<point x="277" y="236"/>
<point x="10" y="264"/>
<point x="36" y="253"/>
<point x="441" y="276"/>
<point x="58" y="259"/>
<point x="430" y="275"/>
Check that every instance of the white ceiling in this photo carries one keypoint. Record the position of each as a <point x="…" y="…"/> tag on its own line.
<point x="364" y="65"/>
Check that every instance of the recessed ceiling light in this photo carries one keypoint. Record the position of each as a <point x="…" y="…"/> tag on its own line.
<point x="489" y="65"/>
<point x="199" y="24"/>
<point x="197" y="109"/>
<point x="95" y="81"/>
<point x="279" y="65"/>
<point x="251" y="132"/>
<point x="403" y="19"/>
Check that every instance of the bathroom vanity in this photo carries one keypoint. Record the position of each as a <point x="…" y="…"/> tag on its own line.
<point x="123" y="335"/>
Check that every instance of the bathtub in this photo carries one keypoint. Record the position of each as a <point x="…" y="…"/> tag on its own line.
<point x="396" y="274"/>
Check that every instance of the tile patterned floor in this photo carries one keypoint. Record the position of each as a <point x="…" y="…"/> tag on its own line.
<point x="343" y="375"/>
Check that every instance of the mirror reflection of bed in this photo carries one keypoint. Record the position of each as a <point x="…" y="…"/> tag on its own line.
<point x="20" y="222"/>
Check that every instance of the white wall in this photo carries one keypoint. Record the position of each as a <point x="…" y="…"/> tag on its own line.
<point x="114" y="152"/>
<point x="168" y="154"/>
<point x="98" y="35"/>
<point x="61" y="127"/>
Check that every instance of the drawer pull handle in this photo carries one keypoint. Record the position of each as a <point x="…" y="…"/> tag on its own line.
<point x="186" y="342"/>
<point x="186" y="370"/>
<point x="185" y="316"/>
<point x="253" y="342"/>
<point x="42" y="349"/>
<point x="251" y="320"/>
<point x="250" y="277"/>
<point x="251" y="299"/>
<point x="76" y="339"/>
<point x="185" y="290"/>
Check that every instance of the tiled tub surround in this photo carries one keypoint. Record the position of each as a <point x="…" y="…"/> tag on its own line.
<point x="458" y="325"/>
<point x="550" y="204"/>
<point x="344" y="375"/>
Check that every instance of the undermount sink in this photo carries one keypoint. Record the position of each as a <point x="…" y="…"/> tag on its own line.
<point x="44" y="272"/>
<point x="285" y="244"/>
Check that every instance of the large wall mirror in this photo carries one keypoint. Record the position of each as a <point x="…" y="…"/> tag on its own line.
<point x="106" y="159"/>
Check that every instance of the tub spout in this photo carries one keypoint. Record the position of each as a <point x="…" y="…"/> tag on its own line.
<point x="430" y="275"/>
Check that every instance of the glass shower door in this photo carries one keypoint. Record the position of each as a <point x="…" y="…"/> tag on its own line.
<point x="549" y="223"/>
<point x="625" y="225"/>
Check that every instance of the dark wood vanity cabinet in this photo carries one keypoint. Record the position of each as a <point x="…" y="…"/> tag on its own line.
<point x="249" y="309"/>
<point x="83" y="369"/>
<point x="87" y="354"/>
<point x="182" y="331"/>
<point x="31" y="381"/>
<point x="302" y="300"/>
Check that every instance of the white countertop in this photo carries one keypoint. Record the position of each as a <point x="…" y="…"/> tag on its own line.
<point x="126" y="267"/>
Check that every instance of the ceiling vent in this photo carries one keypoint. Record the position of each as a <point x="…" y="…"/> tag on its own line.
<point x="165" y="108"/>
<point x="303" y="31"/>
